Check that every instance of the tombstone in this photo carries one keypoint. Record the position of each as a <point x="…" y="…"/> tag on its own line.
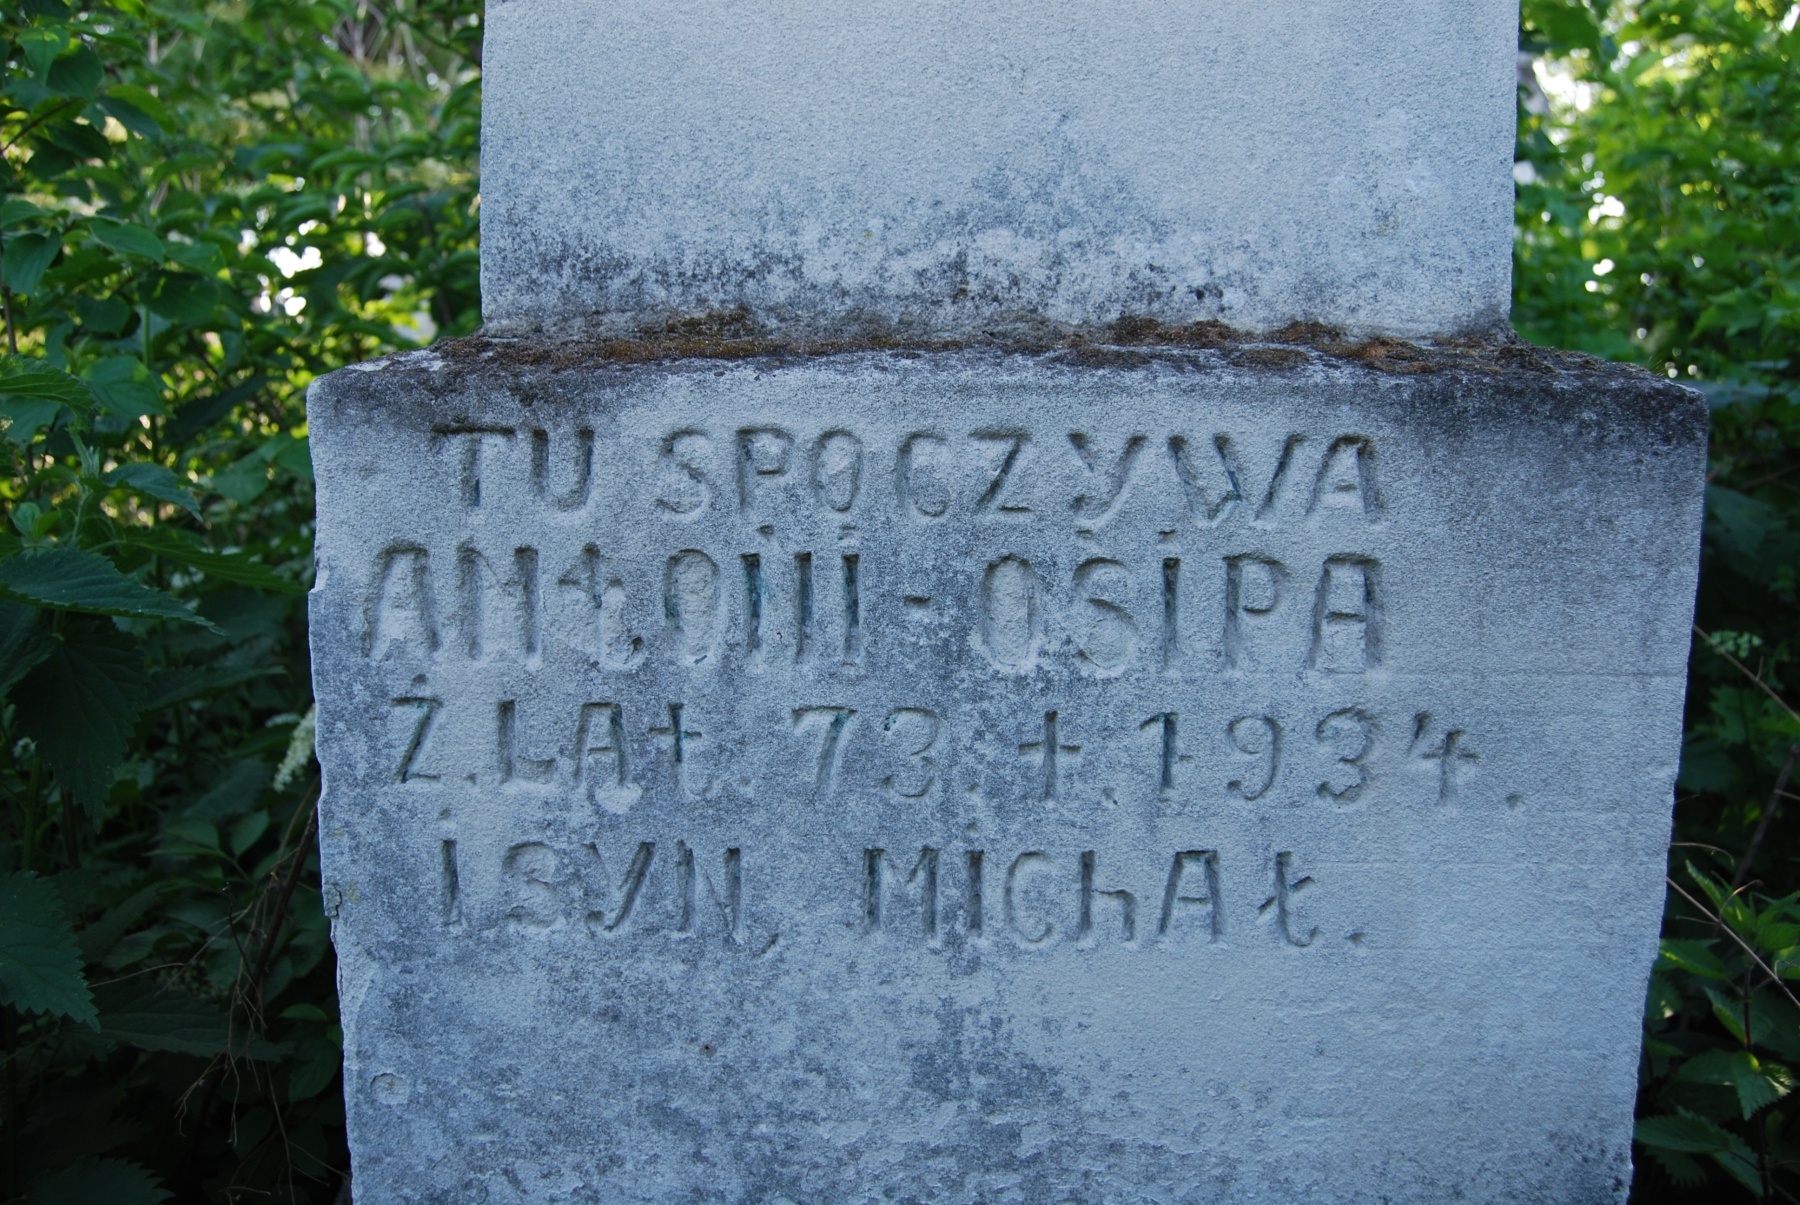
<point x="892" y="671"/>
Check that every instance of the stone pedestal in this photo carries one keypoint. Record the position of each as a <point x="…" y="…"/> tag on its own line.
<point x="1091" y="773"/>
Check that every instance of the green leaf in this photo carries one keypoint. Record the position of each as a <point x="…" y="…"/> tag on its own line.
<point x="246" y="831"/>
<point x="70" y="579"/>
<point x="25" y="378"/>
<point x="1569" y="24"/>
<point x="315" y="1074"/>
<point x="80" y="706"/>
<point x="154" y="481"/>
<point x="124" y="387"/>
<point x="77" y="73"/>
<point x="183" y="296"/>
<point x="144" y="102"/>
<point x="1758" y="1084"/>
<point x="41" y="46"/>
<point x="1730" y="1012"/>
<point x="24" y="419"/>
<point x="199" y="414"/>
<point x="127" y="237"/>
<point x="236" y="792"/>
<point x="99" y="1182"/>
<point x="103" y="315"/>
<point x="1693" y="956"/>
<point x="40" y="965"/>
<point x="1684" y="1170"/>
<point x="244" y="481"/>
<point x="235" y="567"/>
<point x="128" y="115"/>
<point x="1683" y="1132"/>
<point x="14" y="210"/>
<point x="23" y="642"/>
<point x="98" y="939"/>
<point x="27" y="256"/>
<point x="142" y="1013"/>
<point x="296" y="458"/>
<point x="178" y="685"/>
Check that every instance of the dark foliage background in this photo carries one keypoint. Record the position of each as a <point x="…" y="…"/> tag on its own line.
<point x="206" y="204"/>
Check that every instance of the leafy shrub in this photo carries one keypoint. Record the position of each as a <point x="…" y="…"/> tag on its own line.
<point x="1659" y="221"/>
<point x="205" y="205"/>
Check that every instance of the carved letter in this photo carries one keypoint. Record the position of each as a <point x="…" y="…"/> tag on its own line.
<point x="1206" y="861"/>
<point x="497" y="614"/>
<point x="1212" y="490"/>
<point x="1347" y="477"/>
<point x="1015" y="442"/>
<point x="1009" y="613"/>
<point x="921" y="492"/>
<point x="1127" y="904"/>
<point x="762" y="452"/>
<point x="469" y="470"/>
<point x="1265" y="513"/>
<point x="1111" y="640"/>
<point x="837" y="460"/>
<point x="756" y="591"/>
<point x="1347" y="616"/>
<point x="1281" y="902"/>
<point x="681" y="740"/>
<point x="401" y="610"/>
<point x="593" y="607"/>
<point x="729" y="900"/>
<point x="512" y="765"/>
<point x="875" y="877"/>
<point x="692" y="491"/>
<point x="532" y="871"/>
<point x="1097" y="507"/>
<point x="600" y="757"/>
<point x="575" y="495"/>
<point x="1014" y="873"/>
<point x="1253" y="588"/>
<point x="629" y="885"/>
<point x="409" y="761"/>
<point x="691" y="604"/>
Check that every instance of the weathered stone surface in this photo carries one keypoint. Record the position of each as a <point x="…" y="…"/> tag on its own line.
<point x="943" y="166"/>
<point x="1122" y="776"/>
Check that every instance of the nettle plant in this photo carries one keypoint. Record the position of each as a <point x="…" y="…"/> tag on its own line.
<point x="203" y="205"/>
<point x="1658" y="221"/>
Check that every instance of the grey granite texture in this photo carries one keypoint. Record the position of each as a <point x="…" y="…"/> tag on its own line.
<point x="938" y="167"/>
<point x="1107" y="775"/>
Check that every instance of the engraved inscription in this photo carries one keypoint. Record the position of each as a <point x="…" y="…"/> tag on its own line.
<point x="1073" y="900"/>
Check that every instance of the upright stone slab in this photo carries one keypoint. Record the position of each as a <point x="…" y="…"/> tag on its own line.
<point x="1026" y="760"/>
<point x="935" y="165"/>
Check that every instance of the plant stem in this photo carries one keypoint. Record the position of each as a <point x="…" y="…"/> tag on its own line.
<point x="1768" y="816"/>
<point x="71" y="844"/>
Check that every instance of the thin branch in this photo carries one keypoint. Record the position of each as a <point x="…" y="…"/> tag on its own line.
<point x="34" y="123"/>
<point x="287" y="891"/>
<point x="1762" y="825"/>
